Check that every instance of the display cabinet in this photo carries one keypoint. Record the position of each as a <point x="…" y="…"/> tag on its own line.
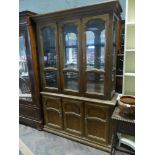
<point x="29" y="92"/>
<point x="77" y="60"/>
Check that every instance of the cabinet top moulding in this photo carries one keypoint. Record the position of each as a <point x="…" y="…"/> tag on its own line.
<point x="100" y="8"/>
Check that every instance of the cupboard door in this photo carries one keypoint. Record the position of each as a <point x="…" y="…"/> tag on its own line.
<point x="96" y="123"/>
<point x="70" y="56"/>
<point x="73" y="116"/>
<point x="49" y="57"/>
<point x="95" y="46"/>
<point x="53" y="112"/>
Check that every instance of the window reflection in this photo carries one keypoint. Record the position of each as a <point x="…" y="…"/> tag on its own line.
<point x="49" y="47"/>
<point x="95" y="44"/>
<point x="70" y="46"/>
<point x="24" y="81"/>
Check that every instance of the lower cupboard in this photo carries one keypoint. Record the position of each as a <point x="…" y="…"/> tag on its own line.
<point x="84" y="121"/>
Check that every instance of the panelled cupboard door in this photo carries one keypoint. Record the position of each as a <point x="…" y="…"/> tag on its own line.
<point x="96" y="122"/>
<point x="70" y="56"/>
<point x="49" y="63"/>
<point x="95" y="41"/>
<point x="73" y="116"/>
<point x="52" y="112"/>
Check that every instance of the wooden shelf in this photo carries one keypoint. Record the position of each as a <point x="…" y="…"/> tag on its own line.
<point x="132" y="23"/>
<point x="130" y="50"/>
<point x="119" y="76"/>
<point x="129" y="74"/>
<point x="120" y="54"/>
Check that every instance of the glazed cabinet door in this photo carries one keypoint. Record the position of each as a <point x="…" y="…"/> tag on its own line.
<point x="48" y="57"/>
<point x="73" y="116"/>
<point x="52" y="112"/>
<point x="70" y="56"/>
<point x="25" y="83"/>
<point x="96" y="123"/>
<point x="95" y="32"/>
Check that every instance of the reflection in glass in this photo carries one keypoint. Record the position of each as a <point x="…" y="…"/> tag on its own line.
<point x="49" y="47"/>
<point x="24" y="81"/>
<point x="95" y="44"/>
<point x="95" y="82"/>
<point x="70" y="46"/>
<point x="71" y="80"/>
<point x="51" y="78"/>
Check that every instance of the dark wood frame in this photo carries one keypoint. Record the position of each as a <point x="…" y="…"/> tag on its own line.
<point x="30" y="113"/>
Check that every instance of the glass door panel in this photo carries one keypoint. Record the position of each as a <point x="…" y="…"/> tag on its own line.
<point x="95" y="83"/>
<point x="70" y="57"/>
<point x="95" y="44"/>
<point x="50" y="67"/>
<point x="95" y="49"/>
<point x="70" y="46"/>
<point x="24" y="79"/>
<point x="51" y="79"/>
<point x="49" y="46"/>
<point x="71" y="80"/>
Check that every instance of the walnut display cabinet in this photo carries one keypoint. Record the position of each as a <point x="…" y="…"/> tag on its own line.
<point x="77" y="58"/>
<point x="29" y="92"/>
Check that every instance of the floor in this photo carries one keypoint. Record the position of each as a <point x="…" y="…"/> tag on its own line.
<point x="44" y="143"/>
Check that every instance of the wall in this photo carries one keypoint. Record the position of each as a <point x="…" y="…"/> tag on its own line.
<point x="46" y="6"/>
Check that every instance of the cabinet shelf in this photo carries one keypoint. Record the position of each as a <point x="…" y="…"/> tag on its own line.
<point x="119" y="76"/>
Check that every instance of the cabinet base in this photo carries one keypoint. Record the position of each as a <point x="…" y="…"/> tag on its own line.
<point x="30" y="122"/>
<point x="79" y="139"/>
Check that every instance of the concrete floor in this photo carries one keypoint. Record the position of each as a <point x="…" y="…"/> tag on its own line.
<point x="44" y="143"/>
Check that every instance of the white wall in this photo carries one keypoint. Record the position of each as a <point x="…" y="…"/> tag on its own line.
<point x="46" y="6"/>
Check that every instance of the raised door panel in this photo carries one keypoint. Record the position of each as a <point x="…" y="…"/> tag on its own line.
<point x="52" y="112"/>
<point x="96" y="122"/>
<point x="73" y="116"/>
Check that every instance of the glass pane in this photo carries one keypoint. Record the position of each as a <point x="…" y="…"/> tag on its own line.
<point x="71" y="80"/>
<point x="49" y="47"/>
<point x="71" y="58"/>
<point x="95" y="44"/>
<point x="51" y="78"/>
<point x="24" y="80"/>
<point x="95" y="82"/>
<point x="70" y="46"/>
